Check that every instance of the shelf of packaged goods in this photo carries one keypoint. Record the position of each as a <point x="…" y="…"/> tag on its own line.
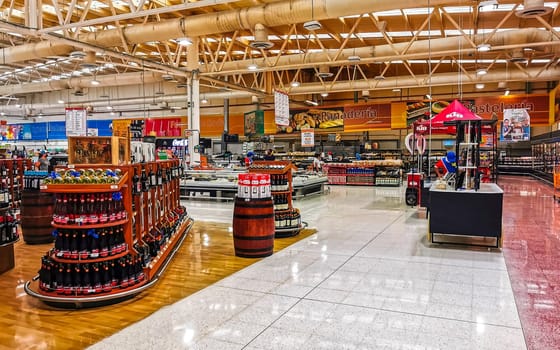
<point x="365" y="175"/>
<point x="359" y="183"/>
<point x="85" y="188"/>
<point x="95" y="260"/>
<point x="169" y="249"/>
<point x="85" y="227"/>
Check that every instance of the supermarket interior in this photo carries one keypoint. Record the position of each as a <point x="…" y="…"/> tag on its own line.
<point x="279" y="174"/>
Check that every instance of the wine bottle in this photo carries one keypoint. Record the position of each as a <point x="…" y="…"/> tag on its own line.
<point x="159" y="176"/>
<point x="145" y="181"/>
<point x="76" y="278"/>
<point x="152" y="176"/>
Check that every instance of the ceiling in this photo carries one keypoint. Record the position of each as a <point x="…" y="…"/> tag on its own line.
<point x="399" y="48"/>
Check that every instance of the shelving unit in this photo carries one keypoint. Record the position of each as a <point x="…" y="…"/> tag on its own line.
<point x="546" y="153"/>
<point x="118" y="237"/>
<point x="287" y="219"/>
<point x="367" y="173"/>
<point x="516" y="165"/>
<point x="11" y="187"/>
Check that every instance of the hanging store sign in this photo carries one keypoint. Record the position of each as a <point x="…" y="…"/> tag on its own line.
<point x="76" y="122"/>
<point x="121" y="127"/>
<point x="308" y="137"/>
<point x="281" y="108"/>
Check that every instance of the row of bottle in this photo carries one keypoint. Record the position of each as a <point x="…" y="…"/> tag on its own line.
<point x="91" y="208"/>
<point x="89" y="244"/>
<point x="32" y="180"/>
<point x="279" y="183"/>
<point x="290" y="219"/>
<point x="8" y="228"/>
<point x="147" y="180"/>
<point x="89" y="278"/>
<point x="281" y="202"/>
<point x="158" y="236"/>
<point x="360" y="171"/>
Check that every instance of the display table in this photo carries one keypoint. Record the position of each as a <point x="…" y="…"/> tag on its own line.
<point x="467" y="213"/>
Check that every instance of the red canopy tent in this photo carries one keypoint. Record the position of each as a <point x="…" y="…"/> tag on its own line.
<point x="454" y="111"/>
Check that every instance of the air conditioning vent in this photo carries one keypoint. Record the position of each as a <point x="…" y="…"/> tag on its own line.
<point x="533" y="8"/>
<point x="261" y="45"/>
<point x="312" y="25"/>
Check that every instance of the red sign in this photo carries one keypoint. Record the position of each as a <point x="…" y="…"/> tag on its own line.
<point x="162" y="127"/>
<point x="493" y="107"/>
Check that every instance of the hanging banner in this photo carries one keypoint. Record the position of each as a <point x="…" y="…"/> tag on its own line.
<point x="516" y="125"/>
<point x="76" y="122"/>
<point x="308" y="137"/>
<point x="121" y="127"/>
<point x="281" y="108"/>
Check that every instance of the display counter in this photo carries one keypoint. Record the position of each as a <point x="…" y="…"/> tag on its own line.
<point x="222" y="184"/>
<point x="467" y="212"/>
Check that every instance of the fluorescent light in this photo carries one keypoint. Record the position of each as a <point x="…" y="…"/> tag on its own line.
<point x="313" y="103"/>
<point x="479" y="86"/>
<point x="252" y="66"/>
<point x="61" y="101"/>
<point x="94" y="82"/>
<point x="481" y="71"/>
<point x="109" y="107"/>
<point x="506" y="93"/>
<point x="484" y="47"/>
<point x="295" y="83"/>
<point x="324" y="94"/>
<point x="396" y="90"/>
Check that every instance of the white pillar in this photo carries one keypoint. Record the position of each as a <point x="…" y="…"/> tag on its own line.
<point x="193" y="95"/>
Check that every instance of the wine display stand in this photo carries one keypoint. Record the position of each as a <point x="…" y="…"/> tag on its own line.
<point x="137" y="226"/>
<point x="11" y="187"/>
<point x="287" y="219"/>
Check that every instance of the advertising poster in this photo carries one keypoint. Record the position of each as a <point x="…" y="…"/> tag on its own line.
<point x="516" y="125"/>
<point x="307" y="137"/>
<point x="281" y="108"/>
<point x="367" y="117"/>
<point x="254" y="123"/>
<point x="163" y="127"/>
<point x="328" y="119"/>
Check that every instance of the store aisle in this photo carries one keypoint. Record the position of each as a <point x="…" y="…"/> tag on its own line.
<point x="366" y="280"/>
<point x="532" y="253"/>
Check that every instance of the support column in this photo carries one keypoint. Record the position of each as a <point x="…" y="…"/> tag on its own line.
<point x="33" y="17"/>
<point x="193" y="95"/>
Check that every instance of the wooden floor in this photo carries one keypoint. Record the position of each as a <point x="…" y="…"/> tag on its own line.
<point x="26" y="323"/>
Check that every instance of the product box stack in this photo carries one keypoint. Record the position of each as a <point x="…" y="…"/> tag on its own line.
<point x="253" y="186"/>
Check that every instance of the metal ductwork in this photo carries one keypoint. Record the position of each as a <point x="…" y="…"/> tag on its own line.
<point x="418" y="49"/>
<point x="82" y="82"/>
<point x="443" y="79"/>
<point x="261" y="41"/>
<point x="268" y="15"/>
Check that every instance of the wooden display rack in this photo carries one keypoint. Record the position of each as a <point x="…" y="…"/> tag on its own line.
<point x="282" y="169"/>
<point x="98" y="150"/>
<point x="13" y="184"/>
<point x="142" y="218"/>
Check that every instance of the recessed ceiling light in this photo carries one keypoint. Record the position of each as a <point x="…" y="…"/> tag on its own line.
<point x="481" y="71"/>
<point x="295" y="83"/>
<point x="61" y="101"/>
<point x="112" y="113"/>
<point x="484" y="47"/>
<point x="252" y="66"/>
<point x="204" y="101"/>
<point x="396" y="90"/>
<point x="94" y="82"/>
<point x="479" y="86"/>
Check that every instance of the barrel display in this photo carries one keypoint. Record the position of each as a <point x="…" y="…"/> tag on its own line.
<point x="36" y="217"/>
<point x="253" y="227"/>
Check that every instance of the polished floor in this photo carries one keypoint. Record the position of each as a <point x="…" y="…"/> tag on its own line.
<point x="368" y="279"/>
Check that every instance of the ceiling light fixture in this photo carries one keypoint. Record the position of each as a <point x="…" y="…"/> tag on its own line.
<point x="204" y="101"/>
<point x="95" y="82"/>
<point x="295" y="83"/>
<point x="324" y="94"/>
<point x="479" y="86"/>
<point x="428" y="96"/>
<point x="484" y="47"/>
<point x="481" y="71"/>
<point x="506" y="93"/>
<point x="184" y="41"/>
<point x="313" y="103"/>
<point x="61" y="101"/>
<point x="252" y="66"/>
<point x="110" y="108"/>
<point x="396" y="90"/>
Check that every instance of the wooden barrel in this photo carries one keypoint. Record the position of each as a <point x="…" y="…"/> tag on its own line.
<point x="253" y="227"/>
<point x="36" y="217"/>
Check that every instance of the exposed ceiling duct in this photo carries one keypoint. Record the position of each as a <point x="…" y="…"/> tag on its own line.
<point x="267" y="15"/>
<point x="533" y="8"/>
<point x="138" y="78"/>
<point x="261" y="41"/>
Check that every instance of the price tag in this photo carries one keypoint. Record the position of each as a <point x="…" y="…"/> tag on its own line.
<point x="70" y="166"/>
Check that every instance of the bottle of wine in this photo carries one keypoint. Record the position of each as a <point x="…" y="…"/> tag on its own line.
<point x="159" y="176"/>
<point x="145" y="181"/>
<point x="152" y="176"/>
<point x="137" y="185"/>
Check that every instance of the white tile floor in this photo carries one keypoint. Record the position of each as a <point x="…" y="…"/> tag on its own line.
<point x="367" y="280"/>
